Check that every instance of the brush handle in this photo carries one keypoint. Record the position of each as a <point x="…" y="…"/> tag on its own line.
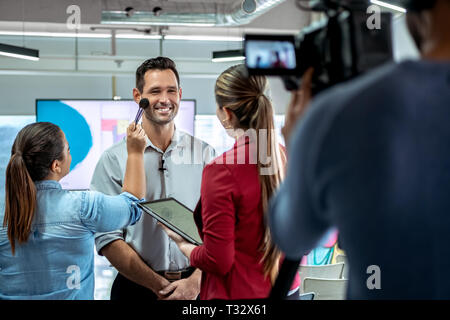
<point x="138" y="115"/>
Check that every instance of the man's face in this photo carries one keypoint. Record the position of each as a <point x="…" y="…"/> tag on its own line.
<point x="162" y="91"/>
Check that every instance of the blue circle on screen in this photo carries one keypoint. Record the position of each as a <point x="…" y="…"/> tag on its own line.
<point x="72" y="123"/>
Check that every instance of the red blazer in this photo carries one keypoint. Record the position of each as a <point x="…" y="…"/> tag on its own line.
<point x="229" y="217"/>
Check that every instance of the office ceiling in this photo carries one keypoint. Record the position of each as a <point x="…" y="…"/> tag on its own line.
<point x="207" y="16"/>
<point x="22" y="20"/>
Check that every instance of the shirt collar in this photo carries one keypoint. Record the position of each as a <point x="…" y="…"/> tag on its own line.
<point x="47" y="184"/>
<point x="176" y="142"/>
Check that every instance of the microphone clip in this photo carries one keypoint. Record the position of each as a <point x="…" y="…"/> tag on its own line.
<point x="162" y="168"/>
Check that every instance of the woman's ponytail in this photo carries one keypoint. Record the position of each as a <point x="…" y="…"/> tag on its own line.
<point x="35" y="148"/>
<point x="20" y="202"/>
<point x="271" y="173"/>
<point x="245" y="96"/>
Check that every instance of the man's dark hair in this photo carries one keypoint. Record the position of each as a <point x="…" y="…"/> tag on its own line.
<point x="159" y="63"/>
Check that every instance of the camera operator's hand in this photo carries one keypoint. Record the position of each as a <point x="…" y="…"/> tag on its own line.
<point x="298" y="105"/>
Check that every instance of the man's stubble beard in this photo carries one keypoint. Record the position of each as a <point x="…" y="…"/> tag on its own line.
<point x="154" y="119"/>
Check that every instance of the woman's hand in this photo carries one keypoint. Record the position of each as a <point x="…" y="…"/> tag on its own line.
<point x="136" y="141"/>
<point x="298" y="105"/>
<point x="184" y="246"/>
<point x="134" y="181"/>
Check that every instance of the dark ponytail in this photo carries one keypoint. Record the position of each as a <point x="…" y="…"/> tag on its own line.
<point x="20" y="201"/>
<point x="35" y="148"/>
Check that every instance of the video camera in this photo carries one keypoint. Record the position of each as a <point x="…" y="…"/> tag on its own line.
<point x="339" y="48"/>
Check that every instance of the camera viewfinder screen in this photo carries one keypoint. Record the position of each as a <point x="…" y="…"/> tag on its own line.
<point x="270" y="54"/>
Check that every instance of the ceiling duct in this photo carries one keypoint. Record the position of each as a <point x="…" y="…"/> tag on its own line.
<point x="180" y="13"/>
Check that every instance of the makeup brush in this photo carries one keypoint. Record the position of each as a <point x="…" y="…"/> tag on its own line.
<point x="143" y="104"/>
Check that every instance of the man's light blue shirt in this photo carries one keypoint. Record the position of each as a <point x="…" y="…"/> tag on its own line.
<point x="57" y="261"/>
<point x="184" y="160"/>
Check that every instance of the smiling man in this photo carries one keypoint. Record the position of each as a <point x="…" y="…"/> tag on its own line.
<point x="150" y="265"/>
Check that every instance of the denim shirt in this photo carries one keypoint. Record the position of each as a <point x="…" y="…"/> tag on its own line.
<point x="57" y="261"/>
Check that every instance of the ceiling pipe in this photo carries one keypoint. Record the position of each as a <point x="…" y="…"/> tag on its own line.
<point x="234" y="13"/>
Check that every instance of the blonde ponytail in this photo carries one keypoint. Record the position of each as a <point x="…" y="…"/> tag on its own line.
<point x="245" y="96"/>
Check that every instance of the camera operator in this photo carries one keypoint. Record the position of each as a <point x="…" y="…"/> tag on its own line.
<point x="372" y="158"/>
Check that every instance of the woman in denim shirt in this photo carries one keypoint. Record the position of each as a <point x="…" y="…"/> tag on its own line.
<point x="47" y="238"/>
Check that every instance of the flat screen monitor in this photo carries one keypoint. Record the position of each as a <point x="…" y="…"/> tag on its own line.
<point x="92" y="126"/>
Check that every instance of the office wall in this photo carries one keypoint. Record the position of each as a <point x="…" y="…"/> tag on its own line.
<point x="18" y="92"/>
<point x="57" y="76"/>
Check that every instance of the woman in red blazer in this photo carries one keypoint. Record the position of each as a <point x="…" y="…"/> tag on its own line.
<point x="238" y="258"/>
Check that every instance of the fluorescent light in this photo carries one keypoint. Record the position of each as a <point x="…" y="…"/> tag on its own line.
<point x="229" y="55"/>
<point x="388" y="5"/>
<point x="227" y="59"/>
<point x="19" y="52"/>
<point x="148" y="23"/>
<point x="121" y="36"/>
<point x="55" y="34"/>
<point x="13" y="55"/>
<point x="137" y="36"/>
<point x="202" y="38"/>
<point x="79" y="35"/>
